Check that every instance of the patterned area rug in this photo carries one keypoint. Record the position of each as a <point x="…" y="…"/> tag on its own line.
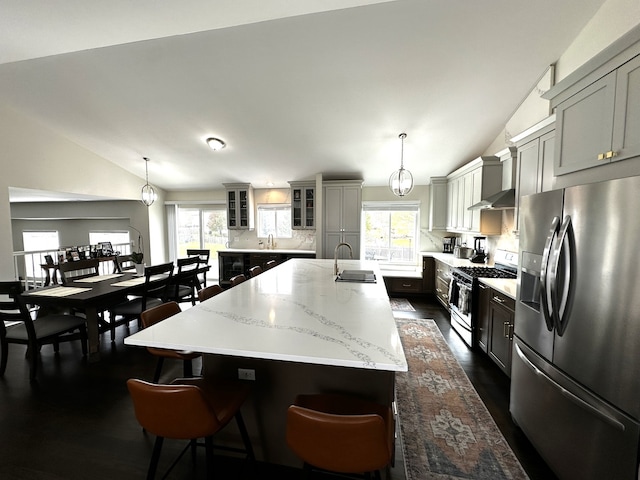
<point x="446" y="430"/>
<point x="401" y="305"/>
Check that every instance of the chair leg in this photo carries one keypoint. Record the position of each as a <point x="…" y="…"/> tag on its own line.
<point x="112" y="326"/>
<point x="155" y="457"/>
<point x="208" y="446"/>
<point x="245" y="436"/>
<point x="33" y="352"/>
<point x="187" y="368"/>
<point x="156" y="375"/>
<point x="84" y="340"/>
<point x="5" y="356"/>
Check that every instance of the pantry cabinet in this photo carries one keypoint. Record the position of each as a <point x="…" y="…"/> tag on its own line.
<point x="342" y="210"/>
<point x="303" y="205"/>
<point x="240" y="211"/>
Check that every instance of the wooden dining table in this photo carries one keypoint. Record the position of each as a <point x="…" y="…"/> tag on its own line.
<point x="92" y="295"/>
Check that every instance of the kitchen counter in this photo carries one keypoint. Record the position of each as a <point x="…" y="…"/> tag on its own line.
<point x="508" y="286"/>
<point x="267" y="250"/>
<point x="452" y="261"/>
<point x="295" y="312"/>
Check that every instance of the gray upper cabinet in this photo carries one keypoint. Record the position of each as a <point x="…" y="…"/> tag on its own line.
<point x="438" y="204"/>
<point x="584" y="127"/>
<point x="303" y="205"/>
<point x="469" y="185"/>
<point x="598" y="109"/>
<point x="534" y="164"/>
<point x="626" y="120"/>
<point x="240" y="213"/>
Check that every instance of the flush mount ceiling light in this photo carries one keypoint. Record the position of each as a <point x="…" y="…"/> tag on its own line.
<point x="149" y="195"/>
<point x="215" y="143"/>
<point x="401" y="181"/>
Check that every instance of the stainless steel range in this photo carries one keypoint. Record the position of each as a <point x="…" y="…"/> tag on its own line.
<point x="463" y="292"/>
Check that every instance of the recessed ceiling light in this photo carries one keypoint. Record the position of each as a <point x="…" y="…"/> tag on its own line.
<point x="215" y="143"/>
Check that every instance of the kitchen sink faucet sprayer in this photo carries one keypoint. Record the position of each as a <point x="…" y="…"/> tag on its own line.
<point x="335" y="256"/>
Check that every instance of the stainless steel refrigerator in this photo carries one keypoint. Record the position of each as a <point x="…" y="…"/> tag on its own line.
<point x="575" y="379"/>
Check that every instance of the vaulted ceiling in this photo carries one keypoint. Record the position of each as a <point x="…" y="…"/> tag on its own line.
<point x="294" y="88"/>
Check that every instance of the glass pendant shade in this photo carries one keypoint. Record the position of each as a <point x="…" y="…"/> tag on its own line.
<point x="401" y="181"/>
<point x="148" y="194"/>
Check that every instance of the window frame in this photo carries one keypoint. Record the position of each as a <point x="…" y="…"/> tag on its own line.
<point x="277" y="207"/>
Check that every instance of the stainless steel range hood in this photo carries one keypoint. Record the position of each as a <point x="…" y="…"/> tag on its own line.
<point x="498" y="201"/>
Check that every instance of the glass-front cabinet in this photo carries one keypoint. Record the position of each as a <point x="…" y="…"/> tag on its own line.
<point x="240" y="213"/>
<point x="303" y="205"/>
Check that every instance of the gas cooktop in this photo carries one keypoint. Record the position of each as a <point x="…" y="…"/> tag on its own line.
<point x="490" y="272"/>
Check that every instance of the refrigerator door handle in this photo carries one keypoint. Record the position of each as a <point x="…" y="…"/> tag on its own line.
<point x="566" y="393"/>
<point x="545" y="292"/>
<point x="561" y="286"/>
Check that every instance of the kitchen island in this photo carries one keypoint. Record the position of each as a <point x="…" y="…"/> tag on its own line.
<point x="295" y="330"/>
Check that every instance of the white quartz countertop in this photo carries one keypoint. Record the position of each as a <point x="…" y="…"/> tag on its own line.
<point x="449" y="259"/>
<point x="266" y="250"/>
<point x="508" y="286"/>
<point x="294" y="312"/>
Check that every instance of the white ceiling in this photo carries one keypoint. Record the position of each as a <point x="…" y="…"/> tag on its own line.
<point x="295" y="88"/>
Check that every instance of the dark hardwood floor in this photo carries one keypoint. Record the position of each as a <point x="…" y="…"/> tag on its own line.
<point x="77" y="421"/>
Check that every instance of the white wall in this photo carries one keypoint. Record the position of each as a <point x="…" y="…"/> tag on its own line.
<point x="35" y="157"/>
<point x="611" y="21"/>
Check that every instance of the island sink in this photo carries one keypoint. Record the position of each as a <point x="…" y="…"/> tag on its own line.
<point x="358" y="276"/>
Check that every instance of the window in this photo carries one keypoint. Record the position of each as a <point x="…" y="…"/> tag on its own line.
<point x="275" y="219"/>
<point x="391" y="234"/>
<point x="39" y="241"/>
<point x="120" y="240"/>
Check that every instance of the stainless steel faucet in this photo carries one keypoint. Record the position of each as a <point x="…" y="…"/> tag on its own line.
<point x="270" y="241"/>
<point x="335" y="255"/>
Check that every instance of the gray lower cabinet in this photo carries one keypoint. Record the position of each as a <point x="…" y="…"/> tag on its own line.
<point x="495" y="326"/>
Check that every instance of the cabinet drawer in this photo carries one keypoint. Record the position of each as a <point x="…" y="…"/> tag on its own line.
<point x="442" y="291"/>
<point x="403" y="284"/>
<point x="502" y="299"/>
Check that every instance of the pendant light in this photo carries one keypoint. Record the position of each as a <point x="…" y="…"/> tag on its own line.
<point x="148" y="193"/>
<point x="401" y="181"/>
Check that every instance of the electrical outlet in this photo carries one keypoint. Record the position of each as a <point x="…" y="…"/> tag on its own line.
<point x="246" y="374"/>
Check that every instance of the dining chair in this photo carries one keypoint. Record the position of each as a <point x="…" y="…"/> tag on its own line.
<point x="153" y="292"/>
<point x="340" y="433"/>
<point x="18" y="326"/>
<point x="123" y="263"/>
<point x="184" y="281"/>
<point x="208" y="292"/>
<point x="255" y="271"/>
<point x="70" y="271"/>
<point x="237" y="280"/>
<point x="203" y="255"/>
<point x="270" y="264"/>
<point x="155" y="315"/>
<point x="189" y="409"/>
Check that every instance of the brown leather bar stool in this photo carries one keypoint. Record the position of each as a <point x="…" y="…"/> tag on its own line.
<point x="237" y="280"/>
<point x="208" y="292"/>
<point x="255" y="271"/>
<point x="341" y="434"/>
<point x="189" y="409"/>
<point x="157" y="314"/>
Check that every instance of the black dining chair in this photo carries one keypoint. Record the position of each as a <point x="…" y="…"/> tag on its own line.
<point x="203" y="255"/>
<point x="70" y="271"/>
<point x="153" y="292"/>
<point x="184" y="282"/>
<point x="18" y="326"/>
<point x="123" y="263"/>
